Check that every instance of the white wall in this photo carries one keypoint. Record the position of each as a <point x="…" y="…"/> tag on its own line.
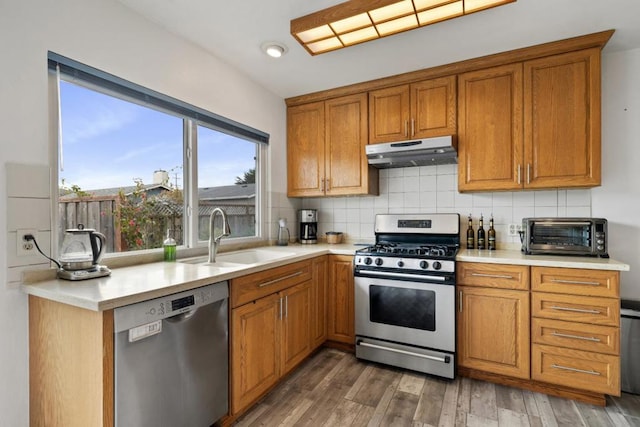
<point x="105" y="35"/>
<point x="618" y="199"/>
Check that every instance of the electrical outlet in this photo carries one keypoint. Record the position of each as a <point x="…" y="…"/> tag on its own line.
<point x="26" y="247"/>
<point x="515" y="229"/>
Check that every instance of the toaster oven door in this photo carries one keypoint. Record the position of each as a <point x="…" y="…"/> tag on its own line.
<point x="577" y="237"/>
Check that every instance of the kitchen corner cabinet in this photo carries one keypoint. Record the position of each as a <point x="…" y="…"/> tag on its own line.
<point x="493" y="318"/>
<point x="531" y="125"/>
<point x="340" y="310"/>
<point x="325" y="149"/>
<point x="270" y="329"/>
<point x="418" y="110"/>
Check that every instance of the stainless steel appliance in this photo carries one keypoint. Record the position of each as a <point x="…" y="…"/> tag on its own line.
<point x="308" y="225"/>
<point x="405" y="293"/>
<point x="630" y="346"/>
<point x="565" y="236"/>
<point x="423" y="152"/>
<point x="171" y="359"/>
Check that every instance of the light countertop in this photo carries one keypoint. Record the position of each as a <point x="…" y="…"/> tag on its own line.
<point x="129" y="285"/>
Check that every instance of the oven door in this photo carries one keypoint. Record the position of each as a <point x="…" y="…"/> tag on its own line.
<point x="414" y="313"/>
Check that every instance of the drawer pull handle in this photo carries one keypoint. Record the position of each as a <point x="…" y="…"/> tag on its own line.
<point x="492" y="276"/>
<point x="582" y="371"/>
<point x="576" y="310"/>
<point x="574" y="282"/>
<point x="271" y="282"/>
<point x="577" y="337"/>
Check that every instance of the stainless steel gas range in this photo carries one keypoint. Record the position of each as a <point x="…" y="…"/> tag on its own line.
<point x="405" y="293"/>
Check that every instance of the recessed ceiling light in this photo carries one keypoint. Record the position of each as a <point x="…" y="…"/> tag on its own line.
<point x="274" y="49"/>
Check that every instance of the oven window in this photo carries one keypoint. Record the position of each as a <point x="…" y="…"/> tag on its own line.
<point x="410" y="308"/>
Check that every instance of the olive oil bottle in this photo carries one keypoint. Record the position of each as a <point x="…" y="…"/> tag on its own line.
<point x="481" y="235"/>
<point x="470" y="235"/>
<point x="491" y="235"/>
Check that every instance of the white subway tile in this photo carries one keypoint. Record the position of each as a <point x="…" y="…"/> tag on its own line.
<point x="381" y="204"/>
<point x="411" y="184"/>
<point x="428" y="183"/>
<point x="353" y="203"/>
<point x="367" y="202"/>
<point x="523" y="212"/>
<point x="339" y="202"/>
<point x="544" y="211"/>
<point x="396" y="200"/>
<point x="428" y="199"/>
<point x="367" y="216"/>
<point x="428" y="170"/>
<point x="396" y="185"/>
<point x="27" y="180"/>
<point x="396" y="172"/>
<point x="383" y="186"/>
<point x="482" y="200"/>
<point x="502" y="214"/>
<point x="546" y="198"/>
<point x="446" y="183"/>
<point x="579" y="211"/>
<point x="353" y="216"/>
<point x="503" y="199"/>
<point x="523" y="198"/>
<point x="412" y="200"/>
<point x="578" y="197"/>
<point x="340" y="215"/>
<point x="446" y="169"/>
<point x="411" y="171"/>
<point x="463" y="201"/>
<point x="28" y="213"/>
<point x="445" y="199"/>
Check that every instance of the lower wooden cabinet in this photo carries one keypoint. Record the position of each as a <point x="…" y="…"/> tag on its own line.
<point x="296" y="326"/>
<point x="340" y="310"/>
<point x="493" y="330"/>
<point x="320" y="274"/>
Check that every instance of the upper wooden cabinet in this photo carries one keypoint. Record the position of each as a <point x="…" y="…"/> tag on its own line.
<point x="531" y="125"/>
<point x="418" y="110"/>
<point x="325" y="149"/>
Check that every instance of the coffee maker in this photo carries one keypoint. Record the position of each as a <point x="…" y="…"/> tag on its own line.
<point x="308" y="225"/>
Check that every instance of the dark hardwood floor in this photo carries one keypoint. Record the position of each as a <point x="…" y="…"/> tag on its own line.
<point x="332" y="388"/>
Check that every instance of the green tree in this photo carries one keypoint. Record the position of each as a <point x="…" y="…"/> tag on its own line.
<point x="249" y="177"/>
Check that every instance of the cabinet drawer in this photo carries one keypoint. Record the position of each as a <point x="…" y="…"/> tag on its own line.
<point x="600" y="311"/>
<point x="253" y="286"/>
<point x="597" y="283"/>
<point x="583" y="370"/>
<point x="493" y="275"/>
<point x="580" y="336"/>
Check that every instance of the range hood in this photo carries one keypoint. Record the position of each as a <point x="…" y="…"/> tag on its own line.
<point x="422" y="152"/>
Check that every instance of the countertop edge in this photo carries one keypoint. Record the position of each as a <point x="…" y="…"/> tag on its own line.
<point x="147" y="281"/>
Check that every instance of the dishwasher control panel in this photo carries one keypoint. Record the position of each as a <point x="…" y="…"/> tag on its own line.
<point x="148" y="312"/>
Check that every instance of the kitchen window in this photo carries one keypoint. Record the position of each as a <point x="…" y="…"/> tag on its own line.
<point x="137" y="165"/>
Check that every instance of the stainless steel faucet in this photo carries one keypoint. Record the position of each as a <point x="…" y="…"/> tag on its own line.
<point x="214" y="242"/>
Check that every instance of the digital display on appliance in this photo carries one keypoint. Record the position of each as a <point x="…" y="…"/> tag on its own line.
<point x="414" y="223"/>
<point x="179" y="303"/>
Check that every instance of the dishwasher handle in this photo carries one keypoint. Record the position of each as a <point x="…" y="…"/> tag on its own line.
<point x="182" y="317"/>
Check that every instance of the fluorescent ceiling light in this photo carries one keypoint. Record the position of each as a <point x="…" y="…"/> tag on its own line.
<point x="358" y="21"/>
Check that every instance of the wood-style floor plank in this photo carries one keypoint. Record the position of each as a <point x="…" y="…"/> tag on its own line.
<point x="334" y="389"/>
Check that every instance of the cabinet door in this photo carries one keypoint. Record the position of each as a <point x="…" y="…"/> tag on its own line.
<point x="433" y="108"/>
<point x="562" y="120"/>
<point x="255" y="350"/>
<point x="389" y="114"/>
<point x="296" y="325"/>
<point x="347" y="170"/>
<point x="493" y="330"/>
<point x="319" y="301"/>
<point x="490" y="129"/>
<point x="305" y="150"/>
<point x="341" y="303"/>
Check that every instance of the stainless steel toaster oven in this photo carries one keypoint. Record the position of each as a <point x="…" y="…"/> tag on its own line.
<point x="565" y="236"/>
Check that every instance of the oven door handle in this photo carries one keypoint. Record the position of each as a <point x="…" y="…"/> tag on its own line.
<point x="446" y="359"/>
<point x="403" y="275"/>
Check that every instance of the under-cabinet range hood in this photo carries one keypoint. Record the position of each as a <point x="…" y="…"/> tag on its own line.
<point x="422" y="152"/>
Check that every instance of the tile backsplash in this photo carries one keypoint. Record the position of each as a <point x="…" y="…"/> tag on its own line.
<point x="433" y="189"/>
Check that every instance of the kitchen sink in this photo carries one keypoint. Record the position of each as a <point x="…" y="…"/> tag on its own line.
<point x="233" y="260"/>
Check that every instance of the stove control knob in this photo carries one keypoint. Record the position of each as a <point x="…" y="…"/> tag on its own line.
<point x="378" y="261"/>
<point x="424" y="264"/>
<point x="437" y="265"/>
<point x="400" y="263"/>
<point x="367" y="261"/>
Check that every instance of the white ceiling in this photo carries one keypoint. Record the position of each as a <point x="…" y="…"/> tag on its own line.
<point x="234" y="30"/>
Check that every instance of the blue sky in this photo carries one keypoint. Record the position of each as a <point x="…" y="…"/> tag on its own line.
<point x="108" y="142"/>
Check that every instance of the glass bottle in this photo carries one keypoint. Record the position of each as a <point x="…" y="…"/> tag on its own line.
<point x="470" y="235"/>
<point x="169" y="247"/>
<point x="491" y="235"/>
<point x="481" y="235"/>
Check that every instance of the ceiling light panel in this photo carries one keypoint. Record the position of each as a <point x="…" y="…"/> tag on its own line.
<point x="357" y="21"/>
<point x="437" y="14"/>
<point x="350" y="24"/>
<point x="386" y="13"/>
<point x="397" y="25"/>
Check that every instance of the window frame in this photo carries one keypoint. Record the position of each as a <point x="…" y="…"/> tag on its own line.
<point x="192" y="245"/>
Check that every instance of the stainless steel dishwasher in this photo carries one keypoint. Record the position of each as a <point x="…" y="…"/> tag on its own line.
<point x="171" y="359"/>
